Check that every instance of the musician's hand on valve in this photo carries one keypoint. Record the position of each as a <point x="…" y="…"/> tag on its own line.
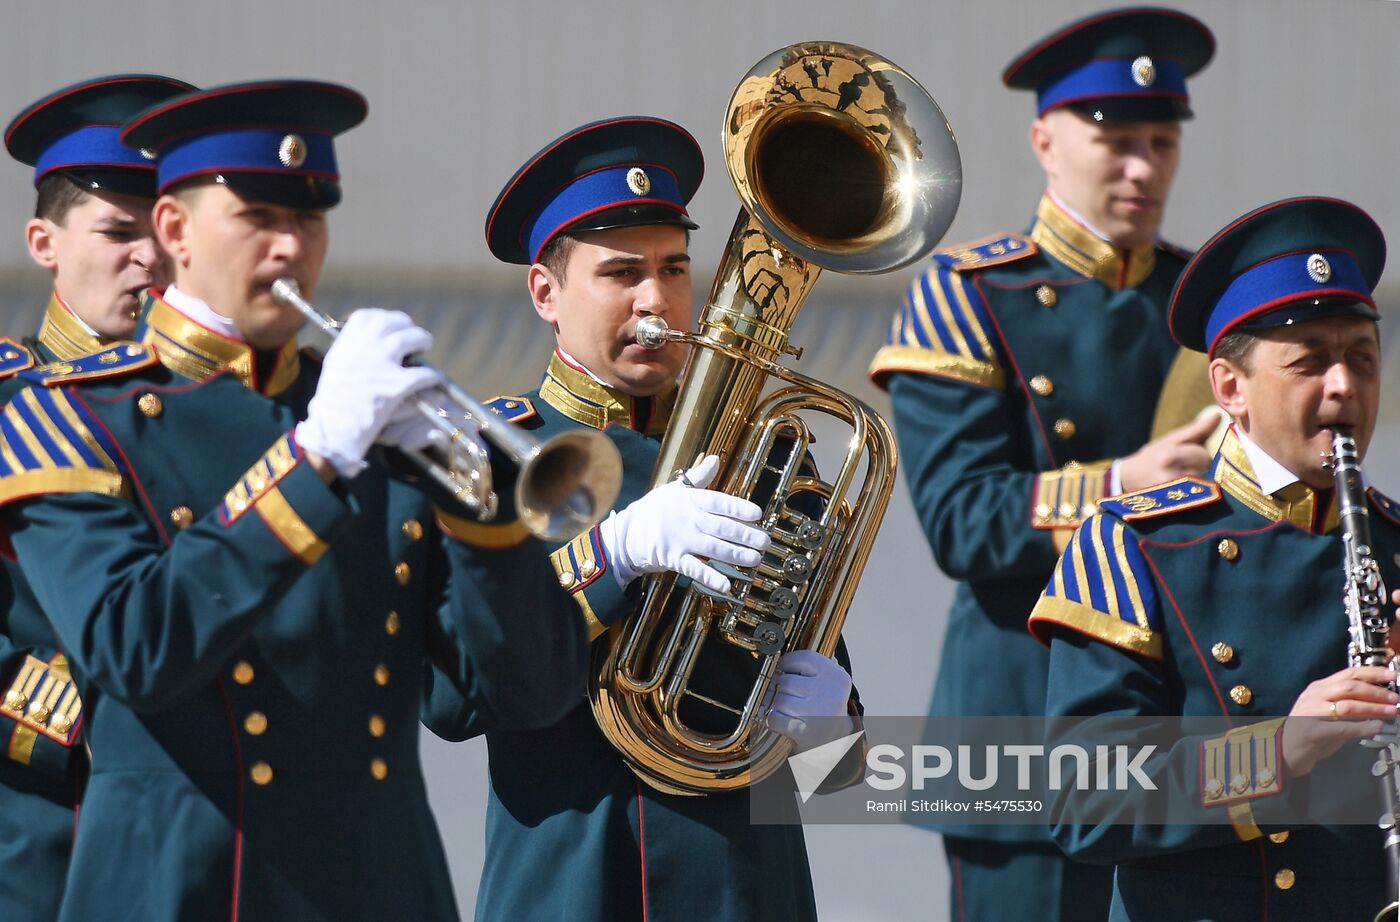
<point x="363" y="385"/>
<point x="676" y="524"/>
<point x="810" y="699"/>
<point x="1175" y="454"/>
<point x="410" y="429"/>
<point x="1351" y="705"/>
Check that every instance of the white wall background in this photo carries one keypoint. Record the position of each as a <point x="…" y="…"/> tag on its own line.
<point x="1300" y="99"/>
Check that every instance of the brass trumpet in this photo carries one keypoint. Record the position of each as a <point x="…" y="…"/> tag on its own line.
<point x="565" y="484"/>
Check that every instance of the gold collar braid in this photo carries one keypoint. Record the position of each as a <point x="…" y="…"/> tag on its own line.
<point x="63" y="334"/>
<point x="578" y="396"/>
<point x="1296" y="503"/>
<point x="1087" y="253"/>
<point x="198" y="352"/>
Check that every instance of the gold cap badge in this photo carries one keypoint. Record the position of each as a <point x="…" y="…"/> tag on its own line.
<point x="1319" y="269"/>
<point x="1144" y="71"/>
<point x="638" y="181"/>
<point x="291" y="152"/>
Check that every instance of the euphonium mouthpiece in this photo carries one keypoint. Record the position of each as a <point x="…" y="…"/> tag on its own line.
<point x="652" y="332"/>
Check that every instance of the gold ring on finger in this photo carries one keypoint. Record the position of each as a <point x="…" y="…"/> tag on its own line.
<point x="1334" y="711"/>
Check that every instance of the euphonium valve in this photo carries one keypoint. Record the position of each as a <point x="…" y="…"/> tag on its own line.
<point x="564" y="485"/>
<point x="842" y="161"/>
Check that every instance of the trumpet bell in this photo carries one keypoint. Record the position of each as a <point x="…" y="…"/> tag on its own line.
<point x="569" y="484"/>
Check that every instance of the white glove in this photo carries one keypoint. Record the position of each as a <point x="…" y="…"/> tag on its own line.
<point x="675" y="525"/>
<point x="363" y="382"/>
<point x="813" y="687"/>
<point x="409" y="429"/>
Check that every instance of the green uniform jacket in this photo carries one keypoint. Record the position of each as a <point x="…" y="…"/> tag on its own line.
<point x="571" y="832"/>
<point x="1215" y="601"/>
<point x="1018" y="368"/>
<point x="250" y="642"/>
<point x="43" y="764"/>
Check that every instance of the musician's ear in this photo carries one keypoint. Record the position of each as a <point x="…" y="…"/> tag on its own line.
<point x="544" y="292"/>
<point x="1227" y="384"/>
<point x="170" y="220"/>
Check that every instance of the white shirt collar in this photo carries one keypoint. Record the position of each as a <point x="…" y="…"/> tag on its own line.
<point x="201" y="313"/>
<point x="583" y="368"/>
<point x="1270" y="475"/>
<point x="81" y="322"/>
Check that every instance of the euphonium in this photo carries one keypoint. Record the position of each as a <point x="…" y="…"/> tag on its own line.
<point x="842" y="161"/>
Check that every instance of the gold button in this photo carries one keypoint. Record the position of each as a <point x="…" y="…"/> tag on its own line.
<point x="1239" y="783"/>
<point x="391" y="624"/>
<point x="379" y="769"/>
<point x="255" y="723"/>
<point x="149" y="405"/>
<point x="1214" y="788"/>
<point x="1228" y="549"/>
<point x="1222" y="652"/>
<point x="376" y="725"/>
<point x="1067" y="510"/>
<point x="414" y="529"/>
<point x="1241" y="694"/>
<point x="1285" y="879"/>
<point x="588" y="569"/>
<point x="15" y="700"/>
<point x="1088" y="510"/>
<point x="381" y="674"/>
<point x="566" y="580"/>
<point x="243" y="672"/>
<point x="61" y="724"/>
<point x="181" y="516"/>
<point x="1265" y="778"/>
<point x="512" y="404"/>
<point x="40" y="713"/>
<point x="1042" y="385"/>
<point x="1046" y="295"/>
<point x="261" y="773"/>
<point x="1278" y="838"/>
<point x="1042" y="512"/>
<point x="1065" y="428"/>
<point x="402" y="573"/>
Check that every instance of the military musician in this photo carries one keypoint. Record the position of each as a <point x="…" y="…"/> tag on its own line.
<point x="246" y="588"/>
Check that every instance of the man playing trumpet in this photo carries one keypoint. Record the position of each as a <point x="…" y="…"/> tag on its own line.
<point x="246" y="587"/>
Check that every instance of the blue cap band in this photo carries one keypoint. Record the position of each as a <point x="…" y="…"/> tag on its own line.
<point x="599" y="191"/>
<point x="90" y="146"/>
<point x="1284" y="280"/>
<point x="255" y="150"/>
<point x="1113" y="78"/>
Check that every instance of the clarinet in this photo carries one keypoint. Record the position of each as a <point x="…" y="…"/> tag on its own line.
<point x="1368" y="625"/>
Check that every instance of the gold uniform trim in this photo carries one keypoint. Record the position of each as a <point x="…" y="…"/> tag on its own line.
<point x="584" y="400"/>
<point x="61" y="480"/>
<point x="63" y="334"/>
<point x="43" y="701"/>
<point x="1295" y="503"/>
<point x="262" y="477"/>
<point x="575" y="573"/>
<point x="1089" y="621"/>
<point x="197" y="352"/>
<point x="925" y="361"/>
<point x="1085" y="252"/>
<point x="290" y="528"/>
<point x="1065" y="497"/>
<point x="489" y="535"/>
<point x="1240" y="766"/>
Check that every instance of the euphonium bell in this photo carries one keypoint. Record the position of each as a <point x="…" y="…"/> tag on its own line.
<point x="842" y="161"/>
